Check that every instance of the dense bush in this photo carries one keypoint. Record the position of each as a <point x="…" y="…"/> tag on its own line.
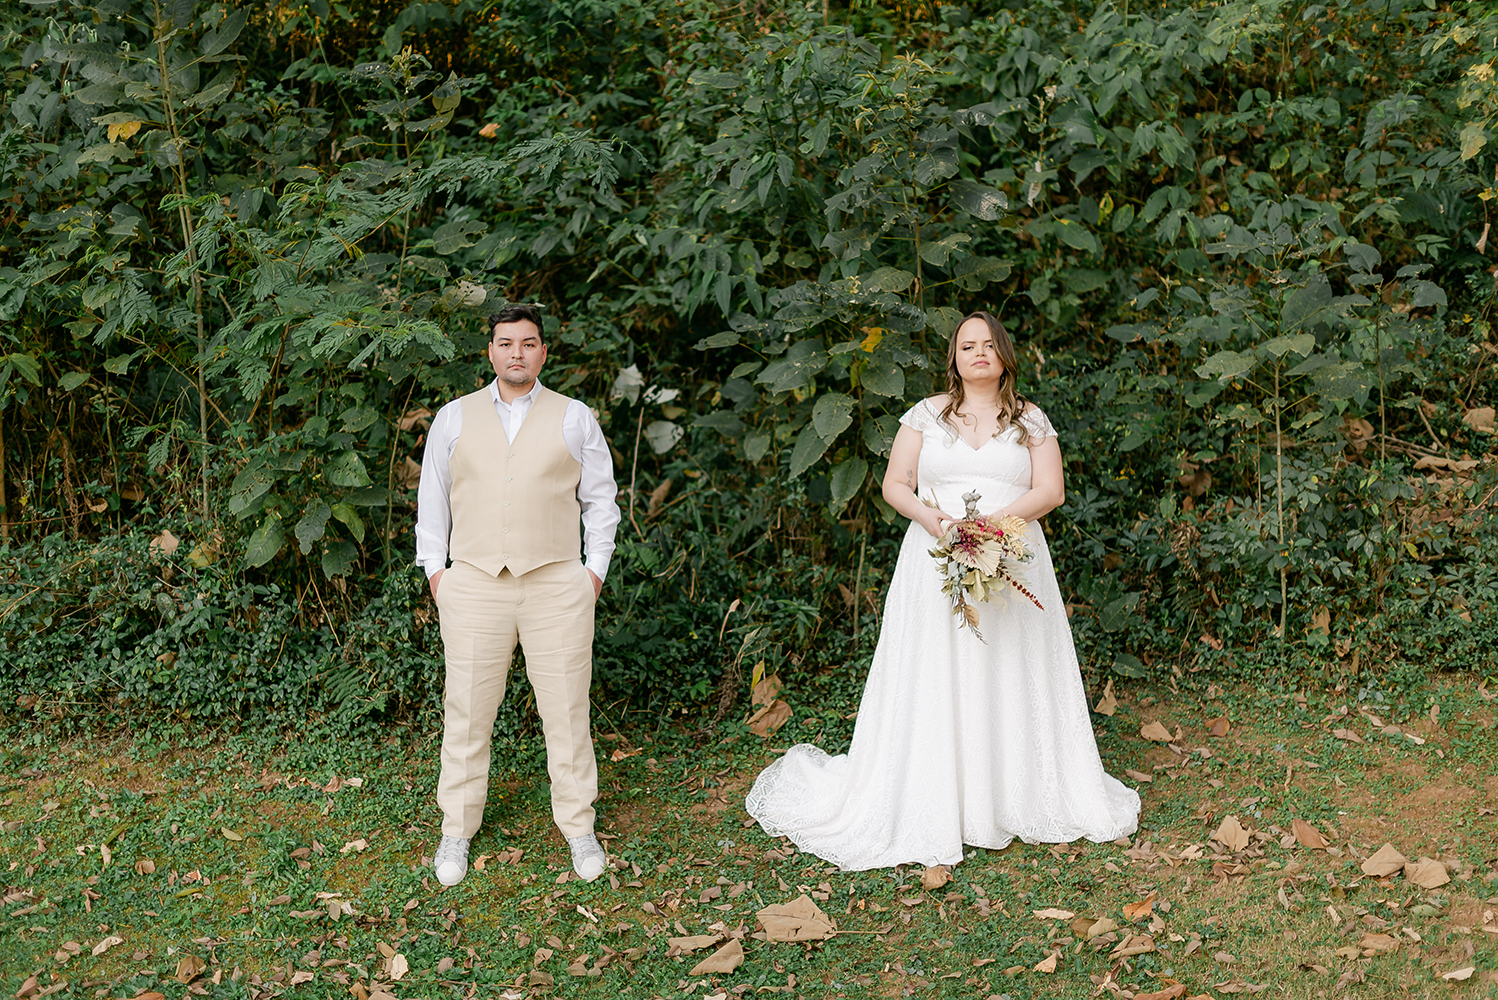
<point x="247" y="252"/>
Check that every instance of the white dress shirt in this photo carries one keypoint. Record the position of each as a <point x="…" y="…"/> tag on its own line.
<point x="585" y="441"/>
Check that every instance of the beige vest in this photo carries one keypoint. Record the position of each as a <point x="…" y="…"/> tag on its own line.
<point x="514" y="505"/>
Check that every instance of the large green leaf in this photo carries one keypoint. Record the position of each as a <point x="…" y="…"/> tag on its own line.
<point x="978" y="200"/>
<point x="265" y="542"/>
<point x="803" y="361"/>
<point x="346" y="513"/>
<point x="312" y="525"/>
<point x="884" y="377"/>
<point x="846" y="480"/>
<point x="832" y="414"/>
<point x="346" y="469"/>
<point x="338" y="558"/>
<point x="809" y="449"/>
<point x="1228" y="365"/>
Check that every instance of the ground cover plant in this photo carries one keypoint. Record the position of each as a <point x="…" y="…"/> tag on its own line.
<point x="241" y="865"/>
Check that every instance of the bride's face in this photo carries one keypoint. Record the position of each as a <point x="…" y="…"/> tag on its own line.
<point x="977" y="358"/>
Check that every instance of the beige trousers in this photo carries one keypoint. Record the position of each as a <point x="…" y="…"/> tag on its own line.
<point x="549" y="612"/>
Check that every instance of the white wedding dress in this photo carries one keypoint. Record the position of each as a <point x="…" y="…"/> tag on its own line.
<point x="957" y="741"/>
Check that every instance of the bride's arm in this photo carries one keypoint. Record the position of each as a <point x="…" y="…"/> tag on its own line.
<point x="1047" y="483"/>
<point x="900" y="483"/>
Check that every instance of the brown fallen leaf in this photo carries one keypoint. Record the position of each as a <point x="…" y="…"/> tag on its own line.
<point x="540" y="977"/>
<point x="1480" y="419"/>
<point x="1048" y="964"/>
<point x="106" y="944"/>
<point x="1107" y="704"/>
<point x="769" y="718"/>
<point x="765" y="687"/>
<point x="1155" y="731"/>
<point x="1457" y="975"/>
<point x="722" y="961"/>
<point x="1348" y="735"/>
<point x="164" y="544"/>
<point x="1231" y="835"/>
<point x="1377" y="944"/>
<point x="144" y="866"/>
<point x="1134" y="944"/>
<point x="1169" y="993"/>
<point x="1307" y="835"/>
<point x="188" y="968"/>
<point x="935" y="877"/>
<point x="1140" y="909"/>
<point x="399" y="967"/>
<point x="1219" y="728"/>
<point x="1384" y="862"/>
<point x="798" y="920"/>
<point x="1427" y="873"/>
<point x="695" y="942"/>
<point x="1052" y="913"/>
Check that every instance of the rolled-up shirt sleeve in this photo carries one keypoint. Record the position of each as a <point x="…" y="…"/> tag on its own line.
<point x="596" y="491"/>
<point x="434" y="519"/>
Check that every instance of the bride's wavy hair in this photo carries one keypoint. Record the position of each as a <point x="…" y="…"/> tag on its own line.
<point x="1011" y="403"/>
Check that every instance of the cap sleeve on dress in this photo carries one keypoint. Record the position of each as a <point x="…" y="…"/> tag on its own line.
<point x="919" y="417"/>
<point x="1036" y="424"/>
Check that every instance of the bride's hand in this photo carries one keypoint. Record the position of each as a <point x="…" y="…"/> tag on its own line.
<point x="934" y="521"/>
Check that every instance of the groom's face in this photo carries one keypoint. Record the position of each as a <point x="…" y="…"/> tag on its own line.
<point x="517" y="352"/>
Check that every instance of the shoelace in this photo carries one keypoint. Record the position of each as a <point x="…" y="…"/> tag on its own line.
<point x="451" y="850"/>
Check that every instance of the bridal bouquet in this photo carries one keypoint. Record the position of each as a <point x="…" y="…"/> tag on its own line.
<point x="977" y="557"/>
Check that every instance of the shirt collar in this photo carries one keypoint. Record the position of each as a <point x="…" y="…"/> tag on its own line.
<point x="527" y="399"/>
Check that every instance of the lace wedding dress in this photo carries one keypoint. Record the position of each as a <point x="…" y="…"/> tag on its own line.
<point x="957" y="741"/>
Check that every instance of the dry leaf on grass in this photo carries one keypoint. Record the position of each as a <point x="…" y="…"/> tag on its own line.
<point x="935" y="877"/>
<point x="1139" y="776"/>
<point x="1480" y="419"/>
<point x="1155" y="731"/>
<point x="1231" y="835"/>
<point x="1107" y="704"/>
<point x="1457" y="975"/>
<point x="798" y="920"/>
<point x="1384" y="862"/>
<point x="1048" y="964"/>
<point x="1134" y="944"/>
<point x="399" y="966"/>
<point x="106" y="944"/>
<point x="1087" y="928"/>
<point x="722" y="961"/>
<point x="354" y="846"/>
<point x="1348" y="735"/>
<point x="1169" y="993"/>
<point x="1427" y="873"/>
<point x="769" y="718"/>
<point x="188" y="968"/>
<point x="1219" y="728"/>
<point x="1308" y="836"/>
<point x="1140" y="909"/>
<point x="540" y="977"/>
<point x="1053" y="914"/>
<point x="1377" y="944"/>
<point x="696" y="942"/>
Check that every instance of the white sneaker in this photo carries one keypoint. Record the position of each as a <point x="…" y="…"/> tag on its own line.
<point x="451" y="860"/>
<point x="588" y="858"/>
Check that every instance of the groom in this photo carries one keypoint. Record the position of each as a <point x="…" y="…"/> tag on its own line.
<point x="508" y="475"/>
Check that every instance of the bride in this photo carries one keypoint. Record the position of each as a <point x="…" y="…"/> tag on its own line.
<point x="959" y="741"/>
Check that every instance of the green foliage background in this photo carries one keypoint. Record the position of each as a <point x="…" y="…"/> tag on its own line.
<point x="246" y="251"/>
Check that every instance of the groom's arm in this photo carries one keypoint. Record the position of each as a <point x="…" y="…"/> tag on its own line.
<point x="596" y="491"/>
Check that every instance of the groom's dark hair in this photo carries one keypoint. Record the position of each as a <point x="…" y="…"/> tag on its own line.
<point x="514" y="314"/>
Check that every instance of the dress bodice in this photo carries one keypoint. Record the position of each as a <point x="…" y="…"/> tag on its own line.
<point x="999" y="469"/>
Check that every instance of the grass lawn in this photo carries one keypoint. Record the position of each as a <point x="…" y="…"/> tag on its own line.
<point x="259" y="865"/>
